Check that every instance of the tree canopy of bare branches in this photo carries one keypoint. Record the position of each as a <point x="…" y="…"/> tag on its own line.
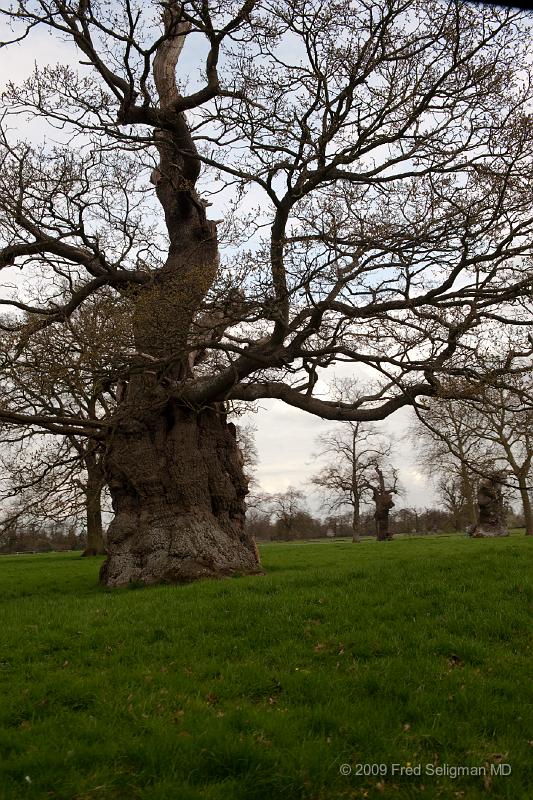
<point x="371" y="163"/>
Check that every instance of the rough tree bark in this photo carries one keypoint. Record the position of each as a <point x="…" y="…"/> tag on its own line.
<point x="178" y="492"/>
<point x="491" y="521"/>
<point x="175" y="474"/>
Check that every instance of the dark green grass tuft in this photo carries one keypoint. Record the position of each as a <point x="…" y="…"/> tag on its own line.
<point x="413" y="651"/>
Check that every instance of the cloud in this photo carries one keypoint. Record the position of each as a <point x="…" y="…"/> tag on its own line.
<point x="286" y="442"/>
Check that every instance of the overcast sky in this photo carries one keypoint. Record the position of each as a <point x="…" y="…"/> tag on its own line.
<point x="286" y="443"/>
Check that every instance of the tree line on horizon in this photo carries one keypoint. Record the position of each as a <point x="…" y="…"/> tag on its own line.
<point x="51" y="501"/>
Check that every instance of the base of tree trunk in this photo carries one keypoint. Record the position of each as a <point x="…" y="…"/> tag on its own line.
<point x="178" y="490"/>
<point x="93" y="551"/>
<point x="485" y="532"/>
<point x="173" y="547"/>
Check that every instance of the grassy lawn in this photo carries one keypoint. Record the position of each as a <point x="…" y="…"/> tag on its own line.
<point x="413" y="651"/>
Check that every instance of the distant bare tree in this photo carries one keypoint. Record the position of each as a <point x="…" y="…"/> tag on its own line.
<point x="453" y="495"/>
<point x="60" y="477"/>
<point x="473" y="439"/>
<point x="451" y="450"/>
<point x="60" y="481"/>
<point x="507" y="426"/>
<point x="287" y="508"/>
<point x="353" y="451"/>
<point x="382" y="492"/>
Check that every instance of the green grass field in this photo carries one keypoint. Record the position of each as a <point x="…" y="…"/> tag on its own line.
<point x="411" y="652"/>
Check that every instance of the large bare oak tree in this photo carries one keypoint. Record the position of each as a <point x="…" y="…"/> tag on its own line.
<point x="371" y="163"/>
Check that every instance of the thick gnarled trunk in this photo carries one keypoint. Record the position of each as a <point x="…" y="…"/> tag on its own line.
<point x="491" y="520"/>
<point x="384" y="502"/>
<point x="178" y="490"/>
<point x="383" y="533"/>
